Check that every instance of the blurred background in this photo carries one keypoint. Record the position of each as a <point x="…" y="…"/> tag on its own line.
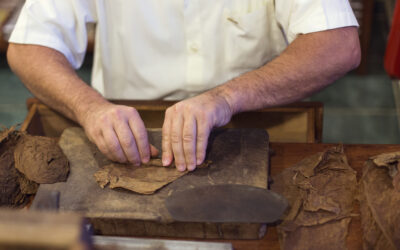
<point x="358" y="108"/>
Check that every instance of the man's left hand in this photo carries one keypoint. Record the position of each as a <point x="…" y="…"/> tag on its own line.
<point x="187" y="126"/>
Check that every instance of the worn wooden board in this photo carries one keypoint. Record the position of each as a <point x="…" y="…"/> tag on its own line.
<point x="239" y="156"/>
<point x="21" y="229"/>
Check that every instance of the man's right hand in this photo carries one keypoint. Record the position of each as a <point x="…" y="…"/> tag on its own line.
<point x="119" y="133"/>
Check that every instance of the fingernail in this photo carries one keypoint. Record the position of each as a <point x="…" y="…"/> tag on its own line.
<point x="191" y="167"/>
<point x="146" y="160"/>
<point x="181" y="168"/>
<point x="165" y="162"/>
<point x="198" y="161"/>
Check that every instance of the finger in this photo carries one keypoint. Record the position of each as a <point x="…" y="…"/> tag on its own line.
<point x="189" y="142"/>
<point x="113" y="146"/>
<point x="166" y="140"/>
<point x="127" y="142"/>
<point x="140" y="133"/>
<point x="101" y="145"/>
<point x="203" y="132"/>
<point x="96" y="137"/>
<point x="154" y="151"/>
<point x="176" y="143"/>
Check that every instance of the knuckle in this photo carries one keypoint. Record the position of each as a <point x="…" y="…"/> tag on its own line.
<point x="113" y="146"/>
<point x="165" y="138"/>
<point x="141" y="136"/>
<point x="116" y="114"/>
<point x="127" y="142"/>
<point x="104" y="118"/>
<point x="187" y="138"/>
<point x="175" y="137"/>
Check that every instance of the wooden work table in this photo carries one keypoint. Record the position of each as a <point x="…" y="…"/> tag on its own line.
<point x="287" y="154"/>
<point x="42" y="121"/>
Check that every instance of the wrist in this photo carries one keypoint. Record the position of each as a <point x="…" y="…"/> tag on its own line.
<point x="230" y="96"/>
<point x="86" y="105"/>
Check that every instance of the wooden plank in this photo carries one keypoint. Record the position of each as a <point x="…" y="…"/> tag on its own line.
<point x="123" y="243"/>
<point x="365" y="34"/>
<point x="27" y="230"/>
<point x="32" y="123"/>
<point x="319" y="118"/>
<point x="239" y="156"/>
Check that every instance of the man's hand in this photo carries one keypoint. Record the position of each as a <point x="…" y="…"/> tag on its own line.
<point x="187" y="126"/>
<point x="119" y="133"/>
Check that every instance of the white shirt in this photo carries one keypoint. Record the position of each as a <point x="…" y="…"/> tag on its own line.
<point x="173" y="49"/>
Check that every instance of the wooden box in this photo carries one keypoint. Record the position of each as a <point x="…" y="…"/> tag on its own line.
<point x="298" y="122"/>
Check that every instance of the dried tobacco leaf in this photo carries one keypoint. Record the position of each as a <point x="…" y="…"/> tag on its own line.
<point x="320" y="190"/>
<point x="41" y="160"/>
<point x="379" y="200"/>
<point x="145" y="179"/>
<point x="10" y="192"/>
<point x="27" y="186"/>
<point x="38" y="159"/>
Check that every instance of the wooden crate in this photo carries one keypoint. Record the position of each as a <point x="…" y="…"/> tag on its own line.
<point x="298" y="122"/>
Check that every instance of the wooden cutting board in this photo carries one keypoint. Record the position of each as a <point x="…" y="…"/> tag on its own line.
<point x="239" y="156"/>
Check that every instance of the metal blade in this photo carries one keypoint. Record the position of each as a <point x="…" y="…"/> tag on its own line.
<point x="226" y="203"/>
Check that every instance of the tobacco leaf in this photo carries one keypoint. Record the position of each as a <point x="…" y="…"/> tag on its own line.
<point x="379" y="202"/>
<point x="145" y="179"/>
<point x="41" y="160"/>
<point x="25" y="161"/>
<point x="27" y="186"/>
<point x="10" y="192"/>
<point x="320" y="190"/>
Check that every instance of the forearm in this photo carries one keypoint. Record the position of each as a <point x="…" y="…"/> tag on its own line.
<point x="309" y="64"/>
<point x="49" y="76"/>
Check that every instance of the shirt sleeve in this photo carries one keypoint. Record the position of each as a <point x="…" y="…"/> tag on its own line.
<point x="57" y="24"/>
<point x="306" y="16"/>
